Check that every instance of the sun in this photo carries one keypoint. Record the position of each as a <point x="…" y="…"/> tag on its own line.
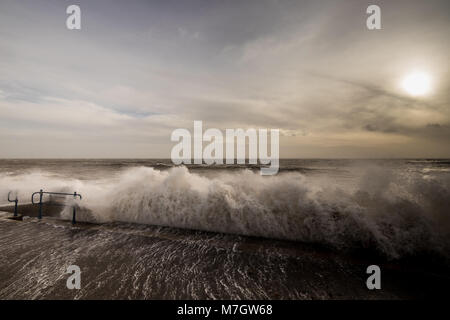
<point x="417" y="83"/>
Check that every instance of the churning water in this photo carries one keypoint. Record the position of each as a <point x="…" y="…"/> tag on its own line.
<point x="146" y="213"/>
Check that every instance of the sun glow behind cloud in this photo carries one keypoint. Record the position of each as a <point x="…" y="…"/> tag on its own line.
<point x="417" y="83"/>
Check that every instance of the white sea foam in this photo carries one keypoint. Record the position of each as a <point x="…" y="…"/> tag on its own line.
<point x="393" y="213"/>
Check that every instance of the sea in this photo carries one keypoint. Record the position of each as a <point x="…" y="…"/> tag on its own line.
<point x="147" y="229"/>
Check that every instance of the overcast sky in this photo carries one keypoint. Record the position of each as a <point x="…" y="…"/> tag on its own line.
<point x="137" y="70"/>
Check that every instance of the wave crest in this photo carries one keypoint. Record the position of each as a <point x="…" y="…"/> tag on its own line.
<point x="393" y="213"/>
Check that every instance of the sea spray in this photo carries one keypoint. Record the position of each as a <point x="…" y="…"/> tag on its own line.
<point x="393" y="213"/>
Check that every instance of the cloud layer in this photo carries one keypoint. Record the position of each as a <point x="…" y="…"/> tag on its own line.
<point x="139" y="69"/>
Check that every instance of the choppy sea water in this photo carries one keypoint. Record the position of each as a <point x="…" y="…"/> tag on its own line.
<point x="395" y="206"/>
<point x="159" y="231"/>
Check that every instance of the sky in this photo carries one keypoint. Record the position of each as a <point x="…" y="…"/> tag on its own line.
<point x="137" y="70"/>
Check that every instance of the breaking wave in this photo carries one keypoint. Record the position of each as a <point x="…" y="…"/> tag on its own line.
<point x="395" y="214"/>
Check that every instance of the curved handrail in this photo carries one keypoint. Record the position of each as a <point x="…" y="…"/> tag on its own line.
<point x="32" y="197"/>
<point x="15" y="203"/>
<point x="56" y="193"/>
<point x="9" y="193"/>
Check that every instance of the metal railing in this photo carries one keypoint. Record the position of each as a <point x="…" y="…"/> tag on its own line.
<point x="41" y="193"/>
<point x="15" y="203"/>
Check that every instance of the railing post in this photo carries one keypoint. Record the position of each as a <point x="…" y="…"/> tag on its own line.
<point x="15" y="207"/>
<point x="15" y="203"/>
<point x="74" y="208"/>
<point x="40" y="204"/>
